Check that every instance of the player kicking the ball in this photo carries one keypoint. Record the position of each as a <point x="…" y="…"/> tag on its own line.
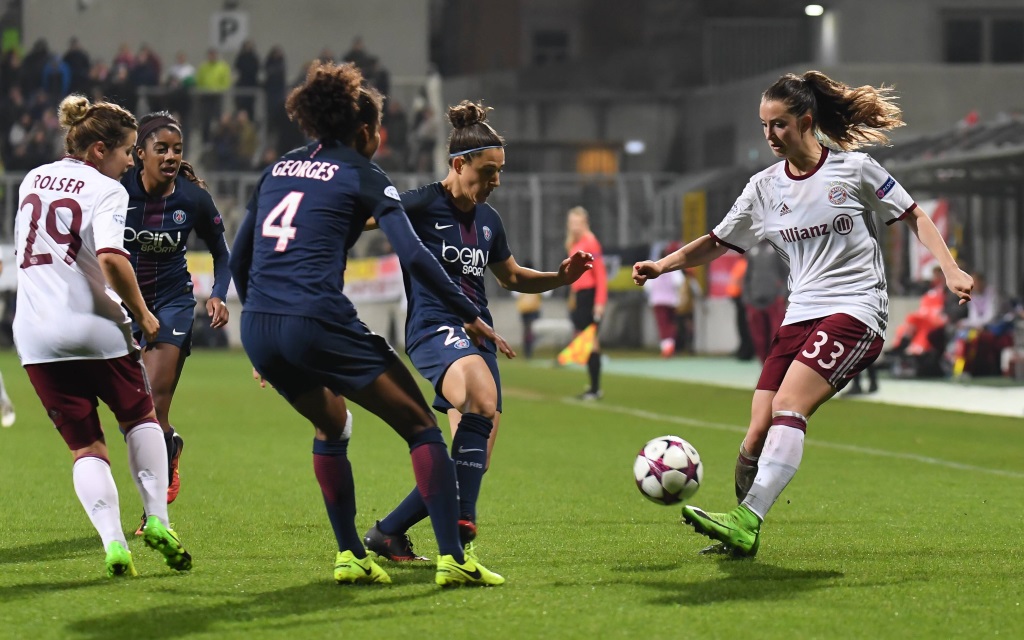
<point x="815" y="208"/>
<point x="72" y="335"/>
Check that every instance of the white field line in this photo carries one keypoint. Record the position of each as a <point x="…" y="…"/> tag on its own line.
<point x="717" y="426"/>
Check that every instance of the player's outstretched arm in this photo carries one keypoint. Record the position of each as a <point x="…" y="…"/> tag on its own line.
<point x="118" y="271"/>
<point x="514" y="277"/>
<point x="241" y="253"/>
<point x="701" y="251"/>
<point x="957" y="280"/>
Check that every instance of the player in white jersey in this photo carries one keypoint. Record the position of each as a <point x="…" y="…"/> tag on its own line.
<point x="815" y="208"/>
<point x="72" y="334"/>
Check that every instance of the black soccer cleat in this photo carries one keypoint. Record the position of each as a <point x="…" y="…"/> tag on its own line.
<point x="396" y="548"/>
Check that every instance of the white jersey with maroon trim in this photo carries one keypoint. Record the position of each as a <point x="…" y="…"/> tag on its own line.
<point x="68" y="213"/>
<point x="821" y="224"/>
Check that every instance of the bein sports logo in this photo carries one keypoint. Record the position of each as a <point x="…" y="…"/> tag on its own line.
<point x="155" y="241"/>
<point x="473" y="260"/>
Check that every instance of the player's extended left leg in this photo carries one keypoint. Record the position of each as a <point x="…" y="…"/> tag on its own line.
<point x="801" y="393"/>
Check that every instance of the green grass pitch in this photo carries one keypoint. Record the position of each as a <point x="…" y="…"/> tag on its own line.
<point x="901" y="523"/>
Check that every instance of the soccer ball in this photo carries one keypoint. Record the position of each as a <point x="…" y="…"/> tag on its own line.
<point x="668" y="470"/>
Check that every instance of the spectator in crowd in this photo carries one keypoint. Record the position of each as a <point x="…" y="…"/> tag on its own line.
<point x="267" y="158"/>
<point x="982" y="334"/>
<point x="79" y="65"/>
<point x="182" y="71"/>
<point x="146" y="71"/>
<point x="529" y="307"/>
<point x="916" y="335"/>
<point x="426" y="140"/>
<point x="275" y="76"/>
<point x="119" y="88"/>
<point x="248" y="139"/>
<point x="181" y="76"/>
<point x="764" y="295"/>
<point x="664" y="300"/>
<point x="32" y="67"/>
<point x="377" y="76"/>
<point x="225" y="143"/>
<point x="124" y="57"/>
<point x="395" y="156"/>
<point x="99" y="74"/>
<point x="213" y="78"/>
<point x="357" y="55"/>
<point x="735" y="292"/>
<point x="11" y="112"/>
<point x="689" y="294"/>
<point x="19" y="131"/>
<point x="247" y="70"/>
<point x="326" y="56"/>
<point x="10" y="71"/>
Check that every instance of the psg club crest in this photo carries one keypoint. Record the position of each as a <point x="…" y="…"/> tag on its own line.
<point x="462" y="343"/>
<point x="837" y="193"/>
<point x="178" y="217"/>
<point x="487" y="233"/>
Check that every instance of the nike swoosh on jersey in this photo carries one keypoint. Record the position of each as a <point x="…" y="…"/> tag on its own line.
<point x="464" y="450"/>
<point x="440" y="226"/>
<point x="175" y="332"/>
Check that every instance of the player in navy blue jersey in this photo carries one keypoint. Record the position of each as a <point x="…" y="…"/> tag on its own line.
<point x="302" y="333"/>
<point x="466" y="234"/>
<point x="167" y="203"/>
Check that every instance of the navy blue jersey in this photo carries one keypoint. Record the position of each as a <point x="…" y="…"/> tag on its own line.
<point x="308" y="210"/>
<point x="464" y="243"/>
<point x="156" y="232"/>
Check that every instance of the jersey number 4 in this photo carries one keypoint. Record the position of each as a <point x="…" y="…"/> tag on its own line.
<point x="285" y="210"/>
<point x="72" y="238"/>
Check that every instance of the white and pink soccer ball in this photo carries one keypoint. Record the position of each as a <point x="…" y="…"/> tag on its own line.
<point x="668" y="470"/>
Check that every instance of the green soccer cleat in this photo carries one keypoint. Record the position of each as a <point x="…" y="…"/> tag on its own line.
<point x="739" y="530"/>
<point x="348" y="569"/>
<point x="158" y="537"/>
<point x="119" y="561"/>
<point x="452" y="574"/>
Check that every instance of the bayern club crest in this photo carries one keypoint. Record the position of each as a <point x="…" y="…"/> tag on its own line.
<point x="487" y="233"/>
<point x="837" y="193"/>
<point x="178" y="217"/>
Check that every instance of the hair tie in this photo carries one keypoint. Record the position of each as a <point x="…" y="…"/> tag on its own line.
<point x="467" y="151"/>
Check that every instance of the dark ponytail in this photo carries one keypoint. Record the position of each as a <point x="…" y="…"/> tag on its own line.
<point x="850" y="117"/>
<point x="186" y="169"/>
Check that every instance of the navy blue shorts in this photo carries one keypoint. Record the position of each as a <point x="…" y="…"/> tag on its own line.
<point x="297" y="354"/>
<point x="433" y="355"/>
<point x="176" y="318"/>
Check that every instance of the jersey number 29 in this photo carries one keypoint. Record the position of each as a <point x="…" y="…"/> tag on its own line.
<point x="72" y="238"/>
<point x="285" y="210"/>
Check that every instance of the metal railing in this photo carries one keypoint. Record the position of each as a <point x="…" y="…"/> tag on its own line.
<point x="625" y="209"/>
